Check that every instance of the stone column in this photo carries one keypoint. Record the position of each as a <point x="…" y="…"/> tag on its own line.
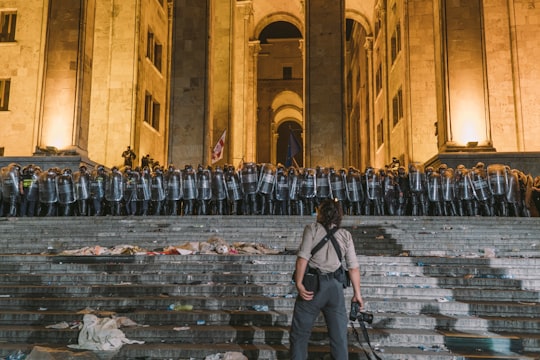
<point x="250" y="100"/>
<point x="242" y="118"/>
<point x="325" y="83"/>
<point x="62" y="74"/>
<point x="194" y="111"/>
<point x="465" y="74"/>
<point x="368" y="131"/>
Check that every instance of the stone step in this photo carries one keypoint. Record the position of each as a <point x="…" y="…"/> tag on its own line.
<point x="462" y="323"/>
<point x="458" y="283"/>
<point x="278" y="336"/>
<point x="397" y="234"/>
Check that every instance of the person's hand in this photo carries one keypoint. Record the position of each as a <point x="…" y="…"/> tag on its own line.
<point x="358" y="299"/>
<point x="304" y="294"/>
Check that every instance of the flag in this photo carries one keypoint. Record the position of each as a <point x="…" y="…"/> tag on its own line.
<point x="217" y="153"/>
<point x="293" y="148"/>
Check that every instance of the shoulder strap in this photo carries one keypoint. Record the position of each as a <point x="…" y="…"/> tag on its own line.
<point x="336" y="245"/>
<point x="329" y="235"/>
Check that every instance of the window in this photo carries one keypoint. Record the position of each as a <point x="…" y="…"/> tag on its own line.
<point x="151" y="111"/>
<point x="396" y="43"/>
<point x="397" y="106"/>
<point x="378" y="80"/>
<point x="4" y="94"/>
<point x="287" y="73"/>
<point x="154" y="50"/>
<point x="8" y="19"/>
<point x="380" y="134"/>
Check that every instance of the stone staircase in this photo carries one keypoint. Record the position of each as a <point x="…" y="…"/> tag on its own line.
<point x="439" y="288"/>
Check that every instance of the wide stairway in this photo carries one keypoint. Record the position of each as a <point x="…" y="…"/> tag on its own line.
<point x="439" y="288"/>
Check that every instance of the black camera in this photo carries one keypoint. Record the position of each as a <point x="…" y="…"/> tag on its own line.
<point x="356" y="314"/>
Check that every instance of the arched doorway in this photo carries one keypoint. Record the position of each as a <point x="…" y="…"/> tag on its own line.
<point x="280" y="79"/>
<point x="289" y="147"/>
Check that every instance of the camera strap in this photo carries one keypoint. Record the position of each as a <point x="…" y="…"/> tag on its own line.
<point x="329" y="235"/>
<point x="366" y="337"/>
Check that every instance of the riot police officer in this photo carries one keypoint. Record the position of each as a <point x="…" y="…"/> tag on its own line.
<point x="11" y="192"/>
<point x="355" y="192"/>
<point x="98" y="182"/>
<point x="30" y="190"/>
<point x="404" y="192"/>
<point x="219" y="192"/>
<point x="337" y="186"/>
<point x="464" y="191"/>
<point x="322" y="181"/>
<point x="389" y="190"/>
<point x="204" y="190"/>
<point x="265" y="189"/>
<point x="157" y="190"/>
<point x="374" y="198"/>
<point x="249" y="180"/>
<point x="114" y="191"/>
<point x="82" y="182"/>
<point x="234" y="191"/>
<point x="281" y="192"/>
<point x="498" y="181"/>
<point x="482" y="193"/>
<point x="131" y="179"/>
<point x="308" y="191"/>
<point x="48" y="194"/>
<point x="448" y="191"/>
<point x="417" y="186"/>
<point x="173" y="181"/>
<point x="434" y="193"/>
<point x="189" y="181"/>
<point x="144" y="192"/>
<point x="65" y="187"/>
<point x="294" y="182"/>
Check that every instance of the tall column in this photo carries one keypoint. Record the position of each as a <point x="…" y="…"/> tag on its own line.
<point x="63" y="75"/>
<point x="467" y="110"/>
<point x="192" y="64"/>
<point x="242" y="118"/>
<point x="250" y="101"/>
<point x="367" y="130"/>
<point x="325" y="83"/>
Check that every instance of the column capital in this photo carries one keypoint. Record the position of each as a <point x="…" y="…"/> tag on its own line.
<point x="380" y="8"/>
<point x="368" y="44"/>
<point x="247" y="7"/>
<point x="254" y="47"/>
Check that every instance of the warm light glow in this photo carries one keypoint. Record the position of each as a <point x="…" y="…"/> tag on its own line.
<point x="57" y="133"/>
<point x="468" y="119"/>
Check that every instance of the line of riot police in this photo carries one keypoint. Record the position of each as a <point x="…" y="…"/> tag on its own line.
<point x="266" y="189"/>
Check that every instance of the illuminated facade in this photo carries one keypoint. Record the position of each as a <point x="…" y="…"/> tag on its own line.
<point x="358" y="82"/>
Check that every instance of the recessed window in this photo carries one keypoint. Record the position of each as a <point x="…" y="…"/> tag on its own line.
<point x="151" y="111"/>
<point x="287" y="73"/>
<point x="380" y="134"/>
<point x="4" y="94"/>
<point x="397" y="106"/>
<point x="8" y="20"/>
<point x="154" y="50"/>
<point x="378" y="80"/>
<point x="395" y="43"/>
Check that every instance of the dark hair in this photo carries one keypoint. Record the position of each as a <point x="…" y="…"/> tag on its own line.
<point x="329" y="212"/>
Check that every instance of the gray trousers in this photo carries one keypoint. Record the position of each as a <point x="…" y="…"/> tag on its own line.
<point x="330" y="300"/>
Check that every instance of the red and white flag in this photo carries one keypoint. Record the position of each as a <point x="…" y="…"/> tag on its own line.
<point x="217" y="153"/>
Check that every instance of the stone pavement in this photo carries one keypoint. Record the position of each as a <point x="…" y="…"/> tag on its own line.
<point x="439" y="288"/>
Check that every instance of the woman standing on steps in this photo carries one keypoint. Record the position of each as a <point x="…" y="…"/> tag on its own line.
<point x="320" y="255"/>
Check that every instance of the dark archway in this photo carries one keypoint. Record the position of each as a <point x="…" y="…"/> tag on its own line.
<point x="285" y="130"/>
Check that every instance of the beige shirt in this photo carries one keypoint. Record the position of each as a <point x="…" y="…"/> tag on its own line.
<point x="326" y="258"/>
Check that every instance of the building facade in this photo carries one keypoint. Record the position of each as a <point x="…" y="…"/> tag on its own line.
<point x="357" y="82"/>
